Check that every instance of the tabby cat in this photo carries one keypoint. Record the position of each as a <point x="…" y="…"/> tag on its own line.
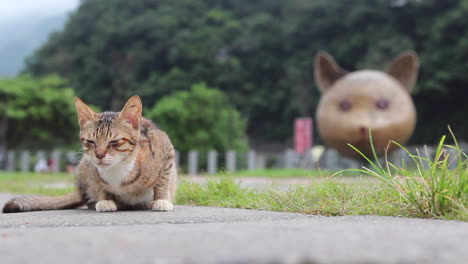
<point x="128" y="163"/>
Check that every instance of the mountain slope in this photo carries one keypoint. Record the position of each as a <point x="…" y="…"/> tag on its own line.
<point x="19" y="39"/>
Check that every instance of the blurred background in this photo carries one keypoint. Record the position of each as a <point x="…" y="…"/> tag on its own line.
<point x="216" y="74"/>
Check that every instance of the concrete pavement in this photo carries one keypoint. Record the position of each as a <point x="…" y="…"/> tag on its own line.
<point x="194" y="234"/>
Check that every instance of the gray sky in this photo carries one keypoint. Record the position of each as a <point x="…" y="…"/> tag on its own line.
<point x="21" y="9"/>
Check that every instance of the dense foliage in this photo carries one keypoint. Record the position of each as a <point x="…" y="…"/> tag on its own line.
<point x="260" y="53"/>
<point x="201" y="119"/>
<point x="36" y="112"/>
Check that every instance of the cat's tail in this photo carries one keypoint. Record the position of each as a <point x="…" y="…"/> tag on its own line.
<point x="38" y="203"/>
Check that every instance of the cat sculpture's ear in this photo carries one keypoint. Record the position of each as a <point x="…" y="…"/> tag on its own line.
<point x="326" y="71"/>
<point x="405" y="68"/>
<point x="85" y="114"/>
<point x="131" y="112"/>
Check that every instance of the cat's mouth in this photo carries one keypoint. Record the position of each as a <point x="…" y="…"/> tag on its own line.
<point x="103" y="164"/>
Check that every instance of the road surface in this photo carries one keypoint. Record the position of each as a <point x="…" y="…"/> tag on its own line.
<point x="193" y="234"/>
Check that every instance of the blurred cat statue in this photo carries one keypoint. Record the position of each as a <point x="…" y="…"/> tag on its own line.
<point x="352" y="104"/>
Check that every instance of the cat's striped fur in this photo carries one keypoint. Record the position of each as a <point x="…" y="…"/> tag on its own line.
<point x="128" y="164"/>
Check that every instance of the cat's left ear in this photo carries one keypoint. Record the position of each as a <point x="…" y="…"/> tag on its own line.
<point x="131" y="112"/>
<point x="85" y="114"/>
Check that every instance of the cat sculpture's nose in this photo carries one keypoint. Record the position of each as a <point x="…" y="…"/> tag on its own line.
<point x="364" y="131"/>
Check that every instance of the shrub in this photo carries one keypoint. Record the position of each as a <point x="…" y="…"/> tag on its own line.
<point x="202" y="119"/>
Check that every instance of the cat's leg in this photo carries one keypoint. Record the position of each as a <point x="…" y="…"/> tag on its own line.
<point x="106" y="202"/>
<point x="164" y="190"/>
<point x="91" y="205"/>
<point x="162" y="200"/>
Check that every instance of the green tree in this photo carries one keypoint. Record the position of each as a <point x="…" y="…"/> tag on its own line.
<point x="36" y="112"/>
<point x="260" y="53"/>
<point x="441" y="97"/>
<point x="202" y="119"/>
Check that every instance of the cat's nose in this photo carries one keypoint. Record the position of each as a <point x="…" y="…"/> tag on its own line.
<point x="100" y="155"/>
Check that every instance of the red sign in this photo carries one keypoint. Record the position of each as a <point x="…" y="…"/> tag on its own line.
<point x="302" y="134"/>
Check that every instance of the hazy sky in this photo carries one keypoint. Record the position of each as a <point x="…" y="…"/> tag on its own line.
<point x="19" y="9"/>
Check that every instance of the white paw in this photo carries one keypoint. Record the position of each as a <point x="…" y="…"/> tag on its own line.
<point x="106" y="206"/>
<point x="162" y="206"/>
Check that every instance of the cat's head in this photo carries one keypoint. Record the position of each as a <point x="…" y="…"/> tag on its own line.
<point x="109" y="138"/>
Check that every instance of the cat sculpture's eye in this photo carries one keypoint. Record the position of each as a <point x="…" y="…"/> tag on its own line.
<point x="345" y="105"/>
<point x="382" y="104"/>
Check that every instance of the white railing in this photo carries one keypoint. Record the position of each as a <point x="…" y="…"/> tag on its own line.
<point x="213" y="162"/>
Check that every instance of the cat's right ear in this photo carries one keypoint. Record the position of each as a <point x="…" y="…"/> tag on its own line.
<point x="85" y="114"/>
<point x="131" y="112"/>
<point x="326" y="71"/>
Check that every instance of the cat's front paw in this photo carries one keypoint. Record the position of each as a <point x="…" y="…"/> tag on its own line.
<point x="106" y="206"/>
<point x="162" y="206"/>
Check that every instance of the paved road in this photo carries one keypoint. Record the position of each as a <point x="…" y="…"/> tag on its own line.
<point x="216" y="235"/>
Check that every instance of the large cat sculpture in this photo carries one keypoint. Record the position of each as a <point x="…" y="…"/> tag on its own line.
<point x="355" y="103"/>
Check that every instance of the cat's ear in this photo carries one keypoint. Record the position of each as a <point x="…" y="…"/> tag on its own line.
<point x="85" y="114"/>
<point x="131" y="112"/>
<point x="326" y="71"/>
<point x="405" y="68"/>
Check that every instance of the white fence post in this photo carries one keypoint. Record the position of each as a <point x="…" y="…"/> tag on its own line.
<point x="193" y="162"/>
<point x="212" y="162"/>
<point x="55" y="156"/>
<point x="10" y="162"/>
<point x="25" y="161"/>
<point x="177" y="159"/>
<point x="251" y="160"/>
<point x="231" y="161"/>
<point x="42" y="164"/>
<point x="331" y="159"/>
<point x="289" y="159"/>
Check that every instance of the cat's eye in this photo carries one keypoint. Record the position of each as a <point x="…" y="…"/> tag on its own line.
<point x="89" y="143"/>
<point x="114" y="142"/>
<point x="345" y="105"/>
<point x="382" y="104"/>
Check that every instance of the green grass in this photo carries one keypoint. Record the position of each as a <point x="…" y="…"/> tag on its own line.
<point x="275" y="173"/>
<point x="433" y="189"/>
<point x="328" y="198"/>
<point x="331" y="198"/>
<point x="34" y="183"/>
